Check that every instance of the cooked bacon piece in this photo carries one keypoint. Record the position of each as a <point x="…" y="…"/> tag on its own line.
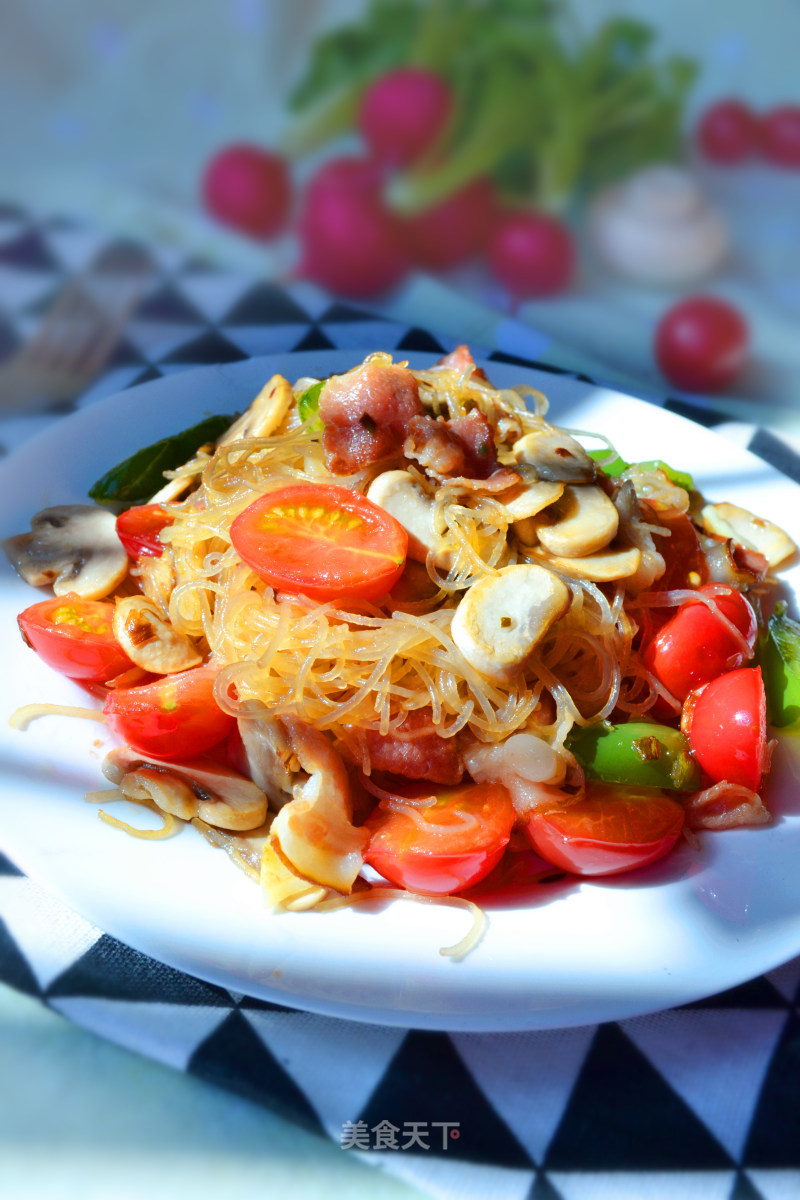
<point x="416" y="751"/>
<point x="475" y="434"/>
<point x="460" y="446"/>
<point x="461" y="359"/>
<point x="500" y="481"/>
<point x="725" y="806"/>
<point x="366" y="414"/>
<point x="434" y="447"/>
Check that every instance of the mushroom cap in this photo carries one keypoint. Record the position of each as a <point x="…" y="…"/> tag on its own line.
<point x="658" y="228"/>
<point x="73" y="547"/>
<point x="582" y="522"/>
<point x="752" y="532"/>
<point x="501" y="618"/>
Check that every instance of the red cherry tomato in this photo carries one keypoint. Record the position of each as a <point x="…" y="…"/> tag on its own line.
<point x="175" y="717"/>
<point x="444" y="846"/>
<point x="323" y="541"/>
<point x="695" y="646"/>
<point x="701" y="344"/>
<point x="725" y="723"/>
<point x="532" y="254"/>
<point x="138" y="529"/>
<point x="611" y="830"/>
<point x="780" y="136"/>
<point x="248" y="189"/>
<point x="74" y="636"/>
<point x="727" y="132"/>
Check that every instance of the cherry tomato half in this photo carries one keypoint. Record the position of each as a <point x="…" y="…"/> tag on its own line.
<point x="444" y="846"/>
<point x="74" y="636"/>
<point x="695" y="646"/>
<point x="725" y="723"/>
<point x="611" y="830"/>
<point x="138" y="529"/>
<point x="701" y="344"/>
<point x="175" y="717"/>
<point x="323" y="541"/>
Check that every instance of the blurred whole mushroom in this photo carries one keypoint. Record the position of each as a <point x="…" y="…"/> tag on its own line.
<point x="658" y="228"/>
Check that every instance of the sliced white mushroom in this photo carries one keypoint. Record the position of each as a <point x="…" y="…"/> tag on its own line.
<point x="615" y="562"/>
<point x="314" y="833"/>
<point x="148" y="639"/>
<point x="156" y="576"/>
<point x="750" y="531"/>
<point x="501" y="619"/>
<point x="527" y="499"/>
<point x="555" y="456"/>
<point x="199" y="788"/>
<point x="264" y="415"/>
<point x="282" y="886"/>
<point x="582" y="522"/>
<point x="399" y="494"/>
<point x="74" y="547"/>
<point x="268" y="752"/>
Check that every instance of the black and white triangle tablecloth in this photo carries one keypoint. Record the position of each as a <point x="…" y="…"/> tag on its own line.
<point x="699" y="1102"/>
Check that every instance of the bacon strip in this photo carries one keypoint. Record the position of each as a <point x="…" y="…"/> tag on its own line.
<point x="416" y="751"/>
<point x="462" y="446"/>
<point x="725" y="806"/>
<point x="461" y="359"/>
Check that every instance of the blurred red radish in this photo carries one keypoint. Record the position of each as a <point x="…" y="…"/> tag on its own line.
<point x="351" y="243"/>
<point x="248" y="189"/>
<point x="701" y="344"/>
<point x="531" y="254"/>
<point x="451" y="232"/>
<point x="727" y="132"/>
<point x="780" y="136"/>
<point x="402" y="113"/>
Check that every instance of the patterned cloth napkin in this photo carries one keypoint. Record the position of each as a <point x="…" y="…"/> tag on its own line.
<point x="700" y="1101"/>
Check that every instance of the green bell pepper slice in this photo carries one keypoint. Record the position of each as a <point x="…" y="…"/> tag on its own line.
<point x="779" y="659"/>
<point x="638" y="754"/>
<point x="618" y="465"/>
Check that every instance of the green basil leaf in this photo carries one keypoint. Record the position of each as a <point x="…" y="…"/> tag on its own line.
<point x="136" y="479"/>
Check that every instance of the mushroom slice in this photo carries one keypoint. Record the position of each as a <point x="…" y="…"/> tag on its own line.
<point x="502" y="617"/>
<point x="74" y="547"/>
<point x="583" y="521"/>
<point x="149" y="641"/>
<point x="268" y="751"/>
<point x="157" y="577"/>
<point x="314" y="833"/>
<point x="528" y="499"/>
<point x="615" y="562"/>
<point x="399" y="494"/>
<point x="200" y="788"/>
<point x="264" y="415"/>
<point x="750" y="531"/>
<point x="555" y="456"/>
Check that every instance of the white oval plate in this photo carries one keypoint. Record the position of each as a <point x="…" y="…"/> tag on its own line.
<point x="691" y="925"/>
